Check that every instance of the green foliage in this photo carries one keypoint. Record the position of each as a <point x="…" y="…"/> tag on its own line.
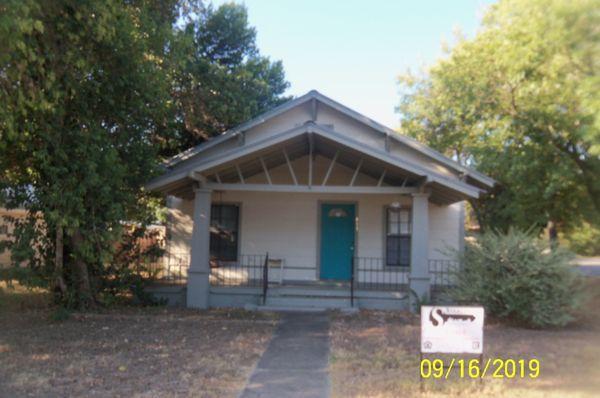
<point x="516" y="276"/>
<point x="94" y="93"/>
<point x="84" y="97"/>
<point x="584" y="240"/>
<point x="520" y="102"/>
<point x="133" y="267"/>
<point x="219" y="77"/>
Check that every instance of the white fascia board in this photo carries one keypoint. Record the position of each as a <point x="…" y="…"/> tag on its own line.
<point x="166" y="179"/>
<point x="238" y="129"/>
<point x="216" y="160"/>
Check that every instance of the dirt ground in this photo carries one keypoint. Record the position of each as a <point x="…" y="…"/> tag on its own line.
<point x="126" y="352"/>
<point x="376" y="354"/>
<point x="132" y="352"/>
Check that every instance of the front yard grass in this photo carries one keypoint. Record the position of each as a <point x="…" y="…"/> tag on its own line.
<point x="131" y="352"/>
<point x="376" y="354"/>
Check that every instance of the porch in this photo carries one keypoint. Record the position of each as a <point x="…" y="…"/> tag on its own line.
<point x="256" y="282"/>
<point x="343" y="228"/>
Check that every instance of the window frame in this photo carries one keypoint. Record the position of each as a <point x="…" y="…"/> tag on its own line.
<point x="238" y="232"/>
<point x="386" y="234"/>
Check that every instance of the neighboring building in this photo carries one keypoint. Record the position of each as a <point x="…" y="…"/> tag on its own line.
<point x="350" y="212"/>
<point x="6" y="229"/>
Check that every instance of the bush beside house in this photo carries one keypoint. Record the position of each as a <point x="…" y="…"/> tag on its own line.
<point x="518" y="277"/>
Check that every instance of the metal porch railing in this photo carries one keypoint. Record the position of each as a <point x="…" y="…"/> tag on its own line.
<point x="371" y="273"/>
<point x="248" y="271"/>
<point x="442" y="272"/>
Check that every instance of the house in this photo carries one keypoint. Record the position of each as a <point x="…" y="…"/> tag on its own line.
<point x="350" y="212"/>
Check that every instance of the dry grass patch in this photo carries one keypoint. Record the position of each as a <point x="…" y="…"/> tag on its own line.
<point x="126" y="352"/>
<point x="376" y="354"/>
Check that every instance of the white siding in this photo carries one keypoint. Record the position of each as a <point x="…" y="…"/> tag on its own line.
<point x="444" y="230"/>
<point x="287" y="226"/>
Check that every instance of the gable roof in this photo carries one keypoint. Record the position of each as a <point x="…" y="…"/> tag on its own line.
<point x="410" y="142"/>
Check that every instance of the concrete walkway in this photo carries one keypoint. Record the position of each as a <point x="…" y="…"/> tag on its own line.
<point x="296" y="360"/>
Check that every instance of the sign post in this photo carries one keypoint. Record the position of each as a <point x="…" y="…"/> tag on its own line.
<point x="451" y="330"/>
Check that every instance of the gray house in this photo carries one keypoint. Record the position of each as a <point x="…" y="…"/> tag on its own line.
<point x="312" y="204"/>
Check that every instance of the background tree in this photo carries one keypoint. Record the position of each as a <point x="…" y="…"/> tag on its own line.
<point x="83" y="98"/>
<point x="520" y="102"/>
<point x="94" y="94"/>
<point x="219" y="77"/>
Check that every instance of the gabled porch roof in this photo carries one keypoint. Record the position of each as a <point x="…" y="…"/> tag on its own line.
<point x="229" y="169"/>
<point x="314" y="97"/>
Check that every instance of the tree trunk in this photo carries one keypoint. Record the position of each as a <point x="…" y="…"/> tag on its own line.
<point x="85" y="297"/>
<point x="552" y="234"/>
<point x="60" y="285"/>
<point x="478" y="215"/>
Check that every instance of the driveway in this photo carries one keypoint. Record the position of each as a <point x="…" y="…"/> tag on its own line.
<point x="588" y="266"/>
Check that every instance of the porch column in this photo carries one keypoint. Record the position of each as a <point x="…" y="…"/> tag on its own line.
<point x="419" y="250"/>
<point x="199" y="271"/>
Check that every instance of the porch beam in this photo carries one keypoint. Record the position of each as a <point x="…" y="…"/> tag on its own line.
<point x="264" y="166"/>
<point x="317" y="188"/>
<point x="360" y="162"/>
<point x="381" y="178"/>
<point x="287" y="160"/>
<point x="330" y="168"/>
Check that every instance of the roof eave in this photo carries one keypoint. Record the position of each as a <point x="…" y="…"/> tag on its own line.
<point x="313" y="94"/>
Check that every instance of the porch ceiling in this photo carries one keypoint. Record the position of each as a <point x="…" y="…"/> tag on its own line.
<point x="383" y="172"/>
<point x="299" y="147"/>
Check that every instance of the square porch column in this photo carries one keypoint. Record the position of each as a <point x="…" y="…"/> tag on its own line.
<point x="419" y="250"/>
<point x="198" y="274"/>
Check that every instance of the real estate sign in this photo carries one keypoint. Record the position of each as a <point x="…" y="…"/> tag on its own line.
<point x="456" y="330"/>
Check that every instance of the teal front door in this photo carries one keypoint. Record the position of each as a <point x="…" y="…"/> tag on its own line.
<point x="337" y="241"/>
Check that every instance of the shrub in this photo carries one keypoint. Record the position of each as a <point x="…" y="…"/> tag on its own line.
<point x="584" y="240"/>
<point x="517" y="276"/>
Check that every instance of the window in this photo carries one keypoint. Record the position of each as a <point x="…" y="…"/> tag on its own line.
<point x="224" y="231"/>
<point x="337" y="213"/>
<point x="3" y="229"/>
<point x="398" y="236"/>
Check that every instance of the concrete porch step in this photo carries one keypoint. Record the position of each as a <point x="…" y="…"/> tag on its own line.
<point x="267" y="308"/>
<point x="307" y="301"/>
<point x="272" y="308"/>
<point x="313" y="291"/>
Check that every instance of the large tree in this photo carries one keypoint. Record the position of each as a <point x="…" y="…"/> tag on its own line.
<point x="94" y="94"/>
<point x="220" y="79"/>
<point x="84" y="96"/>
<point x="520" y="101"/>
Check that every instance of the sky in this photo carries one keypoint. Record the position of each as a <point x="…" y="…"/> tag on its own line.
<point x="353" y="51"/>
